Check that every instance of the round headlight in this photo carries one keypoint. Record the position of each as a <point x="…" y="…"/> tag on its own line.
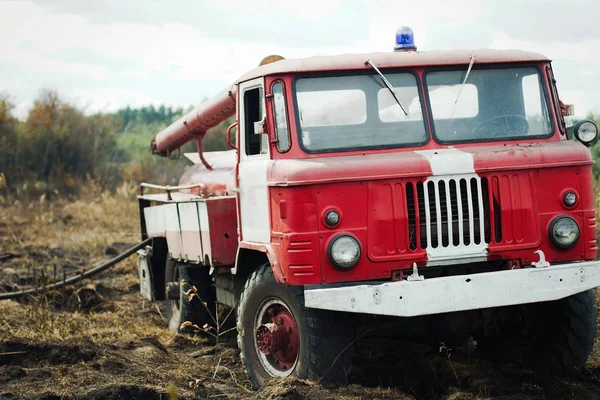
<point x="586" y="131"/>
<point x="332" y="218"/>
<point x="569" y="199"/>
<point x="344" y="251"/>
<point x="564" y="232"/>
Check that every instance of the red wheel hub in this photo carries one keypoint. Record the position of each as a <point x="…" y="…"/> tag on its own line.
<point x="277" y="337"/>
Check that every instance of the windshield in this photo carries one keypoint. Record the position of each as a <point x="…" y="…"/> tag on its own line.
<point x="357" y="112"/>
<point x="494" y="104"/>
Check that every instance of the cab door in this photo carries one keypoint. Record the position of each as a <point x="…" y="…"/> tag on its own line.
<point x="254" y="161"/>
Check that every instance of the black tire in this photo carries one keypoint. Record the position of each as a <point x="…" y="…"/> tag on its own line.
<point x="325" y="339"/>
<point x="559" y="338"/>
<point x="181" y="310"/>
<point x="575" y="319"/>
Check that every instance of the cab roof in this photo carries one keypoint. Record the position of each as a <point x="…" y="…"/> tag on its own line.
<point x="345" y="62"/>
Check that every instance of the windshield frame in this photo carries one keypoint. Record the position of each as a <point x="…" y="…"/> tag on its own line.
<point x="543" y="82"/>
<point x="386" y="71"/>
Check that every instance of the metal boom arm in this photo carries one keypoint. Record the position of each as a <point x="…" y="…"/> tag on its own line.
<point x="195" y="123"/>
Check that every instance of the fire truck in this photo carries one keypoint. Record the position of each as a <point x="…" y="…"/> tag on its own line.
<point x="432" y="186"/>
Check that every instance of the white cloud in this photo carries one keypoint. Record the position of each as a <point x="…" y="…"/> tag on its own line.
<point x="33" y="34"/>
<point x="173" y="50"/>
<point x="577" y="98"/>
<point x="110" y="99"/>
<point x="261" y="8"/>
<point x="39" y="41"/>
<point x="582" y="51"/>
<point x="422" y="16"/>
<point x="131" y="60"/>
<point x="7" y="85"/>
<point x="137" y="74"/>
<point x="168" y="48"/>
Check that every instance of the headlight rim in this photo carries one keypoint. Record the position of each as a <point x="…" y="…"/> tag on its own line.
<point x="553" y="240"/>
<point x="564" y="195"/>
<point x="330" y="253"/>
<point x="324" y="217"/>
<point x="576" y="132"/>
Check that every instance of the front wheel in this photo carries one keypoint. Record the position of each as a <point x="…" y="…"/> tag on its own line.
<point x="554" y="337"/>
<point x="278" y="336"/>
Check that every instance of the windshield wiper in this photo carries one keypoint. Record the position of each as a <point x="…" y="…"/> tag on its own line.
<point x="463" y="83"/>
<point x="386" y="83"/>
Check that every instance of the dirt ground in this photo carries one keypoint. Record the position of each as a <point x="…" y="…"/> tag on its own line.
<point x="99" y="339"/>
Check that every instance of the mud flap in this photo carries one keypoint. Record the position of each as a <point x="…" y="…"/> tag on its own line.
<point x="145" y="274"/>
<point x="197" y="280"/>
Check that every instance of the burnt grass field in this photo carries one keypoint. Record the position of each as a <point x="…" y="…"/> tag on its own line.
<point x="99" y="339"/>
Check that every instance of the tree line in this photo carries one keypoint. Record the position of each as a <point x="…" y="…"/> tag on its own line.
<point x="57" y="146"/>
<point x="146" y="115"/>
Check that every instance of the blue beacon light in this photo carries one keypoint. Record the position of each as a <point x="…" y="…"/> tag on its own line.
<point x="405" y="39"/>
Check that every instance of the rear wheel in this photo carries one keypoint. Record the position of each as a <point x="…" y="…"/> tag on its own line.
<point x="179" y="278"/>
<point x="553" y="337"/>
<point x="278" y="336"/>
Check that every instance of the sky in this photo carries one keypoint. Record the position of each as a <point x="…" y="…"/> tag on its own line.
<point x="106" y="54"/>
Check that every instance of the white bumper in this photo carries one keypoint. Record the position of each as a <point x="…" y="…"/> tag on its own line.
<point x="457" y="293"/>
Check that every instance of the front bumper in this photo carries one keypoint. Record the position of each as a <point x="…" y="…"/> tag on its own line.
<point x="457" y="293"/>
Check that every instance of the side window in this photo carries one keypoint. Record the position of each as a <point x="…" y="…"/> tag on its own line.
<point x="282" y="131"/>
<point x="534" y="105"/>
<point x="532" y="98"/>
<point x="253" y="112"/>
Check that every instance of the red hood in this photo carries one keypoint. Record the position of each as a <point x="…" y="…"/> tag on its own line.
<point x="406" y="164"/>
<point x="347" y="168"/>
<point x="523" y="156"/>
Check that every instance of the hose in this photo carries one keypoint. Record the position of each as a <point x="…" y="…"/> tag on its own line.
<point x="85" y="274"/>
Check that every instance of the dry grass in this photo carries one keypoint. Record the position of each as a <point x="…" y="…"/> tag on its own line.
<point x="101" y="339"/>
<point x="85" y="226"/>
<point x="106" y="331"/>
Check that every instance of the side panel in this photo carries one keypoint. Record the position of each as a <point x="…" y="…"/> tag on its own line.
<point x="190" y="232"/>
<point x="295" y="239"/>
<point x="204" y="231"/>
<point x="197" y="231"/>
<point x="222" y="220"/>
<point x="589" y="213"/>
<point x="173" y="231"/>
<point x="155" y="221"/>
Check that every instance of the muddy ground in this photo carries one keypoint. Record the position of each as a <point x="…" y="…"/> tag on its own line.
<point x="99" y="339"/>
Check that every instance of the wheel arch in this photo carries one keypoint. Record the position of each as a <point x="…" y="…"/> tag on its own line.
<point x="251" y="256"/>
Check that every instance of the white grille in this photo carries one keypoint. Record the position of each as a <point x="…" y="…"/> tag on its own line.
<point x="452" y="216"/>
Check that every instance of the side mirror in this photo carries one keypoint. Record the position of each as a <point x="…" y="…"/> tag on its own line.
<point x="567" y="110"/>
<point x="260" y="127"/>
<point x="586" y="131"/>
